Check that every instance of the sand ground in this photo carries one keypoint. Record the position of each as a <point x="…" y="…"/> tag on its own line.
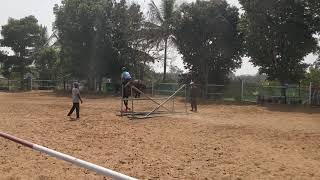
<point x="219" y="142"/>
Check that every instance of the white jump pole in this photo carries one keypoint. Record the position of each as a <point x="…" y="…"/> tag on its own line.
<point x="99" y="169"/>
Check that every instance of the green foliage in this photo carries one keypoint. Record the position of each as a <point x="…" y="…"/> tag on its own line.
<point x="313" y="76"/>
<point x="313" y="7"/>
<point x="278" y="35"/>
<point x="127" y="23"/>
<point x="24" y="37"/>
<point x="208" y="38"/>
<point x="97" y="37"/>
<point x="4" y="69"/>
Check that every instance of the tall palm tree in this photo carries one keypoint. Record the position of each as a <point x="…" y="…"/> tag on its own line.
<point x="160" y="27"/>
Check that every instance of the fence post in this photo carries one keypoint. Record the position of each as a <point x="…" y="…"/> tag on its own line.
<point x="152" y="89"/>
<point x="242" y="88"/>
<point x="186" y="98"/>
<point x="8" y="84"/>
<point x="310" y="93"/>
<point x="31" y="83"/>
<point x="173" y="104"/>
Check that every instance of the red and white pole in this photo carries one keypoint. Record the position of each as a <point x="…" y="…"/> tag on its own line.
<point x="99" y="169"/>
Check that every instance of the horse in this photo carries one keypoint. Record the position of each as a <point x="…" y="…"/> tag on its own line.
<point x="139" y="85"/>
<point x="126" y="93"/>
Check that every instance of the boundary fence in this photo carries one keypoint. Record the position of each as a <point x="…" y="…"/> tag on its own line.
<point x="234" y="91"/>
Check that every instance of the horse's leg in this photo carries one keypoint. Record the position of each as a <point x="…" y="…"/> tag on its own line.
<point x="126" y="104"/>
<point x="126" y="95"/>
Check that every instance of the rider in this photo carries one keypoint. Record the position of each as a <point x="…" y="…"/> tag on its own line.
<point x="125" y="78"/>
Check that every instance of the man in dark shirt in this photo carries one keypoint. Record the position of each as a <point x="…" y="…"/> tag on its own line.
<point x="193" y="96"/>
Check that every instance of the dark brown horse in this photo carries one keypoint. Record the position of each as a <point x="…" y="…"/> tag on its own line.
<point x="139" y="85"/>
<point x="127" y="90"/>
<point x="136" y="83"/>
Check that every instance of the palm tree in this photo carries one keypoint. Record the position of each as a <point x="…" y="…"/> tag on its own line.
<point x="160" y="27"/>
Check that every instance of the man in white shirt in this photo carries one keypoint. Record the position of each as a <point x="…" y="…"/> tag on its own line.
<point x="75" y="100"/>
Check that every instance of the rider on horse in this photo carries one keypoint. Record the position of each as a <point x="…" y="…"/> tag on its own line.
<point x="125" y="78"/>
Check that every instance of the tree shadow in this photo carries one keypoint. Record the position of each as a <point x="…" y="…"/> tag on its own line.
<point x="292" y="108"/>
<point x="307" y="109"/>
<point x="86" y="94"/>
<point x="222" y="102"/>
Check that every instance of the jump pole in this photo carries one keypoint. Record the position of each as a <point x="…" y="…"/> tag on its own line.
<point x="155" y="109"/>
<point x="121" y="106"/>
<point x="81" y="163"/>
<point x="139" y="91"/>
<point x="132" y="101"/>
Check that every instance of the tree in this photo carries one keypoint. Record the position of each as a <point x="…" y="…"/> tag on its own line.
<point x="208" y="38"/>
<point x="278" y="35"/>
<point x="97" y="37"/>
<point x="3" y="59"/>
<point x="128" y="38"/>
<point x="77" y="24"/>
<point x="24" y="37"/>
<point x="160" y="29"/>
<point x="312" y="76"/>
<point x="46" y="61"/>
<point x="313" y="7"/>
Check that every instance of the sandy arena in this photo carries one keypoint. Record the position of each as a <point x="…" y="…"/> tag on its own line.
<point x="220" y="142"/>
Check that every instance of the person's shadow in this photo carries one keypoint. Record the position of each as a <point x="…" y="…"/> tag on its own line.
<point x="73" y="119"/>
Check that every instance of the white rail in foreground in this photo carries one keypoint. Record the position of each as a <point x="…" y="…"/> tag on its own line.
<point x="99" y="169"/>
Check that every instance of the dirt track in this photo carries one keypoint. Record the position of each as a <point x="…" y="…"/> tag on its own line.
<point x="220" y="142"/>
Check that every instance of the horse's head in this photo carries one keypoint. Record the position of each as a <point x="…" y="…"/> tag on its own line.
<point x="139" y="84"/>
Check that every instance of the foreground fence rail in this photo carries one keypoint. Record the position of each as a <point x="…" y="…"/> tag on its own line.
<point x="99" y="169"/>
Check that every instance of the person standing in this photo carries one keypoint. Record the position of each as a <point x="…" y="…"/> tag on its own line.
<point x="193" y="96"/>
<point x="76" y="99"/>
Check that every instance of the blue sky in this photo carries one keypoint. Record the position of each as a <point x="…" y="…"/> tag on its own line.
<point x="43" y="11"/>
